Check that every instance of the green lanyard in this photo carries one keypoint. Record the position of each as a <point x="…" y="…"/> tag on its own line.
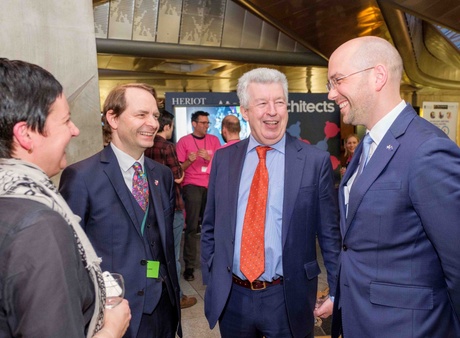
<point x="145" y="218"/>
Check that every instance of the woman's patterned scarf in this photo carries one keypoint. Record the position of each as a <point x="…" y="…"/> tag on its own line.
<point x="19" y="179"/>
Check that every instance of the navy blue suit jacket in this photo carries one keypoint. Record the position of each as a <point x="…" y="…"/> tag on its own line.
<point x="400" y="267"/>
<point x="309" y="209"/>
<point x="96" y="191"/>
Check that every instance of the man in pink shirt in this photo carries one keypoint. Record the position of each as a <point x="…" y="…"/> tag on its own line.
<point x="195" y="152"/>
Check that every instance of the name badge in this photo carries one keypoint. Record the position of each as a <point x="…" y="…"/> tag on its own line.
<point x="153" y="269"/>
<point x="204" y="169"/>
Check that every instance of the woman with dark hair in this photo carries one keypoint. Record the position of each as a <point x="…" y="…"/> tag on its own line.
<point x="51" y="284"/>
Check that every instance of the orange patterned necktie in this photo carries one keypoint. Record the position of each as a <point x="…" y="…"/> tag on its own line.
<point x="252" y="255"/>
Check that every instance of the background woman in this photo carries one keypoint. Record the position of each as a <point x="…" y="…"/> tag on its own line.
<point x="351" y="142"/>
<point x="50" y="280"/>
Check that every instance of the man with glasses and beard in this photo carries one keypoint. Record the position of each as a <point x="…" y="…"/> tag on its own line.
<point x="195" y="153"/>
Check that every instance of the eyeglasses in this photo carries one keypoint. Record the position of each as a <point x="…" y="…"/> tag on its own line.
<point x="334" y="82"/>
<point x="203" y="122"/>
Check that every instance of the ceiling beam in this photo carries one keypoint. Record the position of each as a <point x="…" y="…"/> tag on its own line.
<point x="191" y="52"/>
<point x="402" y="39"/>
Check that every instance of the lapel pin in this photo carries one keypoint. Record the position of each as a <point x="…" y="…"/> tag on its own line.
<point x="389" y="147"/>
<point x="156" y="182"/>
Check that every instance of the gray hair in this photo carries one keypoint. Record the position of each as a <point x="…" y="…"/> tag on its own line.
<point x="259" y="75"/>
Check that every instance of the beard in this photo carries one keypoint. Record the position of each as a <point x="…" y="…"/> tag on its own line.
<point x="359" y="110"/>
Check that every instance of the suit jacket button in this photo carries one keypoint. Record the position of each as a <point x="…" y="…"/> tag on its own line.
<point x="140" y="292"/>
<point x="345" y="248"/>
<point x="228" y="269"/>
<point x="143" y="262"/>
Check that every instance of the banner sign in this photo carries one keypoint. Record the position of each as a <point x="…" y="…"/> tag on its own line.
<point x="312" y="117"/>
<point x="442" y="115"/>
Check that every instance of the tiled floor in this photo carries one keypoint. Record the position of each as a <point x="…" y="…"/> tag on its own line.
<point x="194" y="323"/>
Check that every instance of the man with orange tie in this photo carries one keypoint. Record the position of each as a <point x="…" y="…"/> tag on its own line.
<point x="126" y="205"/>
<point x="269" y="197"/>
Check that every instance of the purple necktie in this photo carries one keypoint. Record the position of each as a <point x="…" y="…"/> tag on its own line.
<point x="140" y="186"/>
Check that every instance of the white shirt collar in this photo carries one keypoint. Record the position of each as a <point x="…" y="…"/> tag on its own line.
<point x="124" y="160"/>
<point x="380" y="129"/>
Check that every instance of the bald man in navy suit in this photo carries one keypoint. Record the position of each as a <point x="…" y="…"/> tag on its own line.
<point x="400" y="263"/>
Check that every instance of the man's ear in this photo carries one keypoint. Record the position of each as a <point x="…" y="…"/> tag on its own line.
<point x="244" y="113"/>
<point x="21" y="135"/>
<point x="381" y="76"/>
<point x="112" y="119"/>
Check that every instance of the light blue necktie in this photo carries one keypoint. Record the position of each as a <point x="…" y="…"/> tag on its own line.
<point x="367" y="141"/>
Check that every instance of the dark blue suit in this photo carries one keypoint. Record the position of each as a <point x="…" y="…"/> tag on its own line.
<point x="309" y="209"/>
<point x="400" y="264"/>
<point x="96" y="191"/>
